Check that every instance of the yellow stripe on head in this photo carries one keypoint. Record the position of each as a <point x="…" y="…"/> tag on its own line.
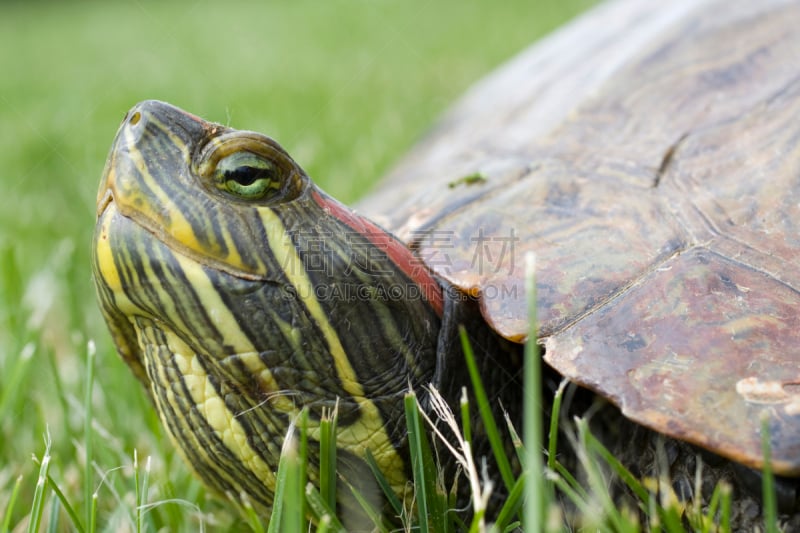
<point x="165" y="214"/>
<point x="369" y="432"/>
<point x="213" y="409"/>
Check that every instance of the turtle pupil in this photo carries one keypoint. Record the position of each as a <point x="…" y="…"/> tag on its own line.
<point x="246" y="175"/>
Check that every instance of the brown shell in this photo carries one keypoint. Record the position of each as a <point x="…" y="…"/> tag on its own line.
<point x="649" y="155"/>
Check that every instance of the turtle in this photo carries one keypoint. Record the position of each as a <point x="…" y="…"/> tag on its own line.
<point x="648" y="155"/>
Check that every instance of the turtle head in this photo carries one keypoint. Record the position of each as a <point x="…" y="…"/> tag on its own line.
<point x="240" y="294"/>
<point x="198" y="186"/>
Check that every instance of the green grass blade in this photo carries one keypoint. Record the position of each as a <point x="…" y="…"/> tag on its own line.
<point x="487" y="416"/>
<point x="516" y="441"/>
<point x="321" y="511"/>
<point x="429" y="507"/>
<point x="11" y="287"/>
<point x="293" y="517"/>
<point x="512" y="504"/>
<point x="595" y="479"/>
<point x="88" y="440"/>
<point x="466" y="427"/>
<point x="391" y="497"/>
<point x="711" y="511"/>
<point x="478" y="525"/>
<point x="555" y="415"/>
<point x="578" y="497"/>
<point x="596" y="447"/>
<point x="289" y="509"/>
<point x="250" y="515"/>
<point x="37" y="506"/>
<point x="92" y="526"/>
<point x="286" y="510"/>
<point x="726" y="492"/>
<point x="654" y="515"/>
<point x="13" y="380"/>
<point x="324" y="524"/>
<point x="770" y="507"/>
<point x="277" y="502"/>
<point x="12" y="500"/>
<point x="137" y="492"/>
<point x="303" y="424"/>
<point x="536" y="490"/>
<point x="141" y="490"/>
<point x="58" y="382"/>
<point x="670" y="512"/>
<point x="76" y="522"/>
<point x="570" y="479"/>
<point x="327" y="457"/>
<point x="417" y="461"/>
<point x="373" y="514"/>
<point x="52" y="521"/>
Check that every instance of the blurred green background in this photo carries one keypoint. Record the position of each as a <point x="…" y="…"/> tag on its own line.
<point x="346" y="86"/>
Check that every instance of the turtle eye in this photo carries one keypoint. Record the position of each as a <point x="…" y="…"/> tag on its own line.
<point x="248" y="176"/>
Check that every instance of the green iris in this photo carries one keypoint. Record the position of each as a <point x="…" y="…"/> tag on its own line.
<point x="247" y="175"/>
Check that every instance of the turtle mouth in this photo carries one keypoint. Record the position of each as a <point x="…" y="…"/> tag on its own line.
<point x="150" y="229"/>
<point x="105" y="193"/>
<point x="105" y="199"/>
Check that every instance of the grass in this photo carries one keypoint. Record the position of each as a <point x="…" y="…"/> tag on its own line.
<point x="346" y="86"/>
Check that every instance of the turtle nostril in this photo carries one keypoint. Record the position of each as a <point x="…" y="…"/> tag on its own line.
<point x="135" y="118"/>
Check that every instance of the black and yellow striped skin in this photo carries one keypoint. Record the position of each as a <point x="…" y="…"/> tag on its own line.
<point x="237" y="313"/>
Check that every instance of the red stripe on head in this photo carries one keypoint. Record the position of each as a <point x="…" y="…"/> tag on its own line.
<point x="398" y="253"/>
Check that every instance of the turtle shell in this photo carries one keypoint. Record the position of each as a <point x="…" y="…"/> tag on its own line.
<point x="649" y="155"/>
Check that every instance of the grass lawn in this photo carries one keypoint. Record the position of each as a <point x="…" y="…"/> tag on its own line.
<point x="345" y="85"/>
